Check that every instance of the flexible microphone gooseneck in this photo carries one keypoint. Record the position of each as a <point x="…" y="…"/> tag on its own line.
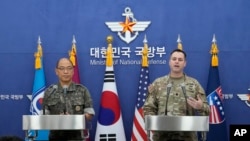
<point x="65" y="89"/>
<point x="185" y="95"/>
<point x="169" y="86"/>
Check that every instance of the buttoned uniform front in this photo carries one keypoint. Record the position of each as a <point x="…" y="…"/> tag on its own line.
<point x="77" y="101"/>
<point x="160" y="102"/>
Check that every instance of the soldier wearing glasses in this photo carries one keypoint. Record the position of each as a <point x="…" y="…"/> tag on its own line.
<point x="67" y="97"/>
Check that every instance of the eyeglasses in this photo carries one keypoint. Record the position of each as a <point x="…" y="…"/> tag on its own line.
<point x="65" y="68"/>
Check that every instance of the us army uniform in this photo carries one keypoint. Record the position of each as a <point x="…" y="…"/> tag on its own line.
<point x="158" y="103"/>
<point x="76" y="100"/>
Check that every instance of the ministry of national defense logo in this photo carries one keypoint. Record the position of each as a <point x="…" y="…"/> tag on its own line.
<point x="245" y="97"/>
<point x="129" y="29"/>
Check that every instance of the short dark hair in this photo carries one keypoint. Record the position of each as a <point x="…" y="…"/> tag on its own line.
<point x="179" y="50"/>
<point x="58" y="61"/>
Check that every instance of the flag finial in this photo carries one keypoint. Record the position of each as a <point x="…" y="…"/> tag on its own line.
<point x="214" y="39"/>
<point x="145" y="39"/>
<point x="38" y="55"/>
<point x="39" y="47"/>
<point x="109" y="52"/>
<point x="74" y="40"/>
<point x="109" y="39"/>
<point x="39" y="40"/>
<point x="179" y="44"/>
<point x="145" y="53"/>
<point x="214" y="51"/>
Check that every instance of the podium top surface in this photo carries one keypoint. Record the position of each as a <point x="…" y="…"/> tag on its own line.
<point x="54" y="122"/>
<point x="176" y="123"/>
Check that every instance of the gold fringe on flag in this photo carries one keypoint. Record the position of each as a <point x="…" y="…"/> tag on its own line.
<point x="38" y="63"/>
<point x="72" y="54"/>
<point x="179" y="46"/>
<point x="40" y="50"/>
<point x="38" y="55"/>
<point x="214" y="51"/>
<point x="109" y="52"/>
<point x="145" y="55"/>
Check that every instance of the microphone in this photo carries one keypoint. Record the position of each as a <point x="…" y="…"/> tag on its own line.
<point x="52" y="91"/>
<point x="65" y="88"/>
<point x="54" y="88"/>
<point x="169" y="86"/>
<point x="185" y="95"/>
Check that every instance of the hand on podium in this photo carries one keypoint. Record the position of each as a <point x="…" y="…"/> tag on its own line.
<point x="88" y="116"/>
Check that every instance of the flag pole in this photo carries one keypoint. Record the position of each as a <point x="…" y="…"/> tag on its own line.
<point x="138" y="130"/>
<point x="110" y="122"/>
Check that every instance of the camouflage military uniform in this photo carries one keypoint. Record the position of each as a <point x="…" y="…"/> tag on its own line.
<point x="77" y="100"/>
<point x="176" y="104"/>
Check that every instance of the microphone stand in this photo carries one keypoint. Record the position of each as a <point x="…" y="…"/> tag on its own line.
<point x="65" y="88"/>
<point x="168" y="92"/>
<point x="203" y="136"/>
<point x="185" y="95"/>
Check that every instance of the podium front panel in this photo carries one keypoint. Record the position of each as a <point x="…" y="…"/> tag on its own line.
<point x="54" y="122"/>
<point x="176" y="123"/>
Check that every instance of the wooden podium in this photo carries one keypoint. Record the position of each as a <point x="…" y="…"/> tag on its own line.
<point x="176" y="123"/>
<point x="54" y="122"/>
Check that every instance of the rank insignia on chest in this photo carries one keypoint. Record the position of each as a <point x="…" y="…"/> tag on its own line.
<point x="176" y="94"/>
<point x="78" y="108"/>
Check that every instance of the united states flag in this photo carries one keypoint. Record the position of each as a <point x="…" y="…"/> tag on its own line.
<point x="139" y="133"/>
<point x="217" y="114"/>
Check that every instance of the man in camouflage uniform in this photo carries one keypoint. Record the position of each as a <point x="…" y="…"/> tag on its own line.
<point x="176" y="94"/>
<point x="65" y="98"/>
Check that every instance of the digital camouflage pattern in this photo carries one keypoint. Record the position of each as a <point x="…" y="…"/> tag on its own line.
<point x="176" y="103"/>
<point x="77" y="100"/>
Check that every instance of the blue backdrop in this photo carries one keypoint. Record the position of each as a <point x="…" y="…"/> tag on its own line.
<point x="56" y="21"/>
